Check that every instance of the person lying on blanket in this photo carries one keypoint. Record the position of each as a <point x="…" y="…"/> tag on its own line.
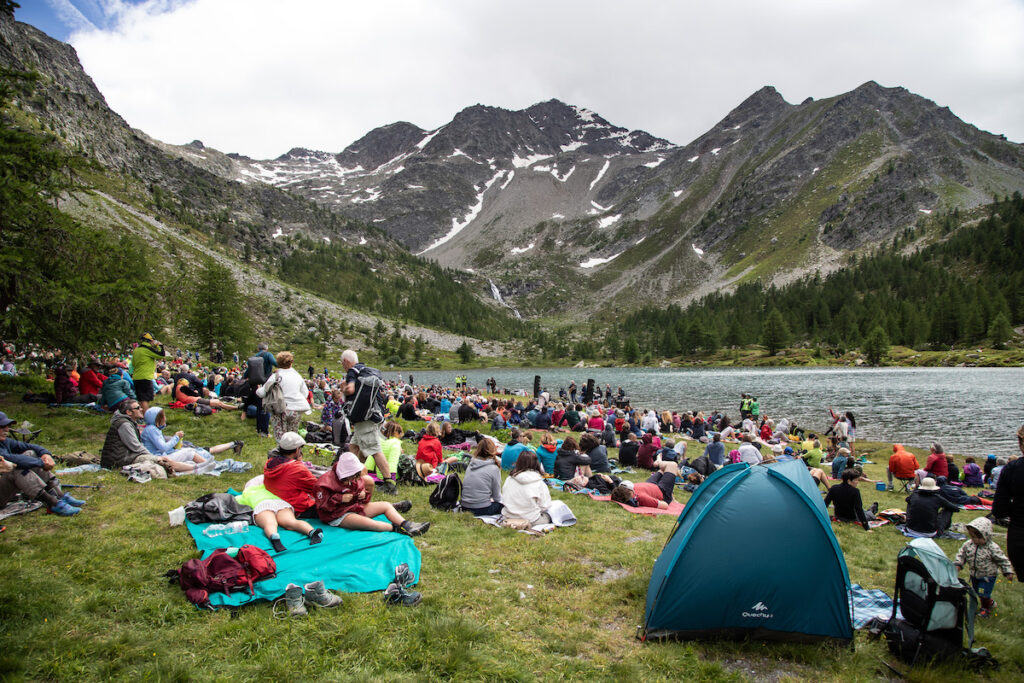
<point x="656" y="492"/>
<point x="342" y="500"/>
<point x="270" y="512"/>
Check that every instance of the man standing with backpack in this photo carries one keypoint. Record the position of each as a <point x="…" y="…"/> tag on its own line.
<point x="365" y="394"/>
<point x="259" y="367"/>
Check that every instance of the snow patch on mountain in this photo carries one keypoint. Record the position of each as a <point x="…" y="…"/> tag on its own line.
<point x="600" y="174"/>
<point x="521" y="162"/>
<point x="474" y="211"/>
<point x="592" y="262"/>
<point x="522" y="250"/>
<point x="609" y="221"/>
<point x="655" y="164"/>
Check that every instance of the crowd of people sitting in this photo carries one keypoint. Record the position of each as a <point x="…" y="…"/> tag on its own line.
<point x="561" y="439"/>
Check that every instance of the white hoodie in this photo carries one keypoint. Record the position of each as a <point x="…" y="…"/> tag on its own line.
<point x="526" y="496"/>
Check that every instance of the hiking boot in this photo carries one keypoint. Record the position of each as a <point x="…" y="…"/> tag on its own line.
<point x="403" y="505"/>
<point x="874" y="508"/>
<point x="403" y="575"/>
<point x="294" y="600"/>
<point x="237" y="447"/>
<point x="396" y="595"/>
<point x="411" y="528"/>
<point x="387" y="488"/>
<point x="317" y="594"/>
<point x="71" y="500"/>
<point x="63" y="509"/>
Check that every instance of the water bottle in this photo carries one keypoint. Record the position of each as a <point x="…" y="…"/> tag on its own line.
<point x="221" y="529"/>
<point x="238" y="527"/>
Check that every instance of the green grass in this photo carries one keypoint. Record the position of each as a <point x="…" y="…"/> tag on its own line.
<point x="83" y="598"/>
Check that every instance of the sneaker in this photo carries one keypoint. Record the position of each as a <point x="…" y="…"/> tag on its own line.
<point x="294" y="600"/>
<point x="874" y="508"/>
<point x="278" y="545"/>
<point x="410" y="528"/>
<point x="396" y="595"/>
<point x="387" y="488"/>
<point x="70" y="500"/>
<point x="318" y="595"/>
<point x="64" y="510"/>
<point x="403" y="505"/>
<point x="403" y="575"/>
<point x="984" y="613"/>
<point x="316" y="536"/>
<point x="237" y="448"/>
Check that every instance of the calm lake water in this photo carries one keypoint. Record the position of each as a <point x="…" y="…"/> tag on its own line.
<point x="972" y="411"/>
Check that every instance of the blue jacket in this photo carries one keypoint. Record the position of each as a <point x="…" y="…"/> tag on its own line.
<point x="13" y="451"/>
<point x="152" y="439"/>
<point x="511" y="454"/>
<point x="115" y="390"/>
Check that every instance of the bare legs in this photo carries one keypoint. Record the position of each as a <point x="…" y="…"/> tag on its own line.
<point x="269" y="521"/>
<point x="365" y="521"/>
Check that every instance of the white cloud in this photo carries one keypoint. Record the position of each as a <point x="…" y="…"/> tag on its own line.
<point x="259" y="77"/>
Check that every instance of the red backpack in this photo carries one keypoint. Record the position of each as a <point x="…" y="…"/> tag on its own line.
<point x="221" y="573"/>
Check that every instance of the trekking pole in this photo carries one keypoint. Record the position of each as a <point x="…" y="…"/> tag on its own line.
<point x="82" y="486"/>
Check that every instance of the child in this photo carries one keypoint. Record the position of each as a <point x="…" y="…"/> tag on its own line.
<point x="986" y="559"/>
<point x="343" y="501"/>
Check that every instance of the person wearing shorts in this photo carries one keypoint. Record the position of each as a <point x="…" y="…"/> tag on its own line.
<point x="144" y="359"/>
<point x="366" y="434"/>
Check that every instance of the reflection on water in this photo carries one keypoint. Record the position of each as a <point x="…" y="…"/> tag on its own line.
<point x="973" y="411"/>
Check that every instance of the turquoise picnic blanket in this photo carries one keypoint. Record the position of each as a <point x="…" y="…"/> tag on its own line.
<point x="346" y="561"/>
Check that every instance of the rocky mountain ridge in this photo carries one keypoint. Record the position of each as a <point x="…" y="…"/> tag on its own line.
<point x="565" y="213"/>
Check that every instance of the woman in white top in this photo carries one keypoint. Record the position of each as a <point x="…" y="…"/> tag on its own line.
<point x="525" y="494"/>
<point x="295" y="395"/>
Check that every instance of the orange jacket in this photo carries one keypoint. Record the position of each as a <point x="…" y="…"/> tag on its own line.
<point x="902" y="463"/>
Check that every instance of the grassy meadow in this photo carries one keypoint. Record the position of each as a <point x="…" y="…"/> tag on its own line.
<point x="83" y="599"/>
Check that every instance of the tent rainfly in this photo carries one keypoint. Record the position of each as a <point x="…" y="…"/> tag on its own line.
<point x="751" y="555"/>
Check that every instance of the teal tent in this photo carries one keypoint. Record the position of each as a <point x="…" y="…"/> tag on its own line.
<point x="752" y="555"/>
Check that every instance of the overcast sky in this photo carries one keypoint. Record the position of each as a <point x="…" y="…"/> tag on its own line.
<point x="259" y="77"/>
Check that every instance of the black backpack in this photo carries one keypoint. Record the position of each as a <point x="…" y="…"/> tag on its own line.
<point x="368" y="401"/>
<point x="447" y="493"/>
<point x="257" y="372"/>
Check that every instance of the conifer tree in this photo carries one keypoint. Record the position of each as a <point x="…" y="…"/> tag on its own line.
<point x="774" y="332"/>
<point x="216" y="313"/>
<point x="876" y="345"/>
<point x="1000" y="331"/>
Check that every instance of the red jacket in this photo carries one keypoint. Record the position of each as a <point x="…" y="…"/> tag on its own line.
<point x="429" y="450"/>
<point x="330" y="491"/>
<point x="937" y="465"/>
<point x="91" y="382"/>
<point x="290" y="481"/>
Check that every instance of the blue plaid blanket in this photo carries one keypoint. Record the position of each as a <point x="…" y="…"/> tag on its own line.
<point x="869" y="603"/>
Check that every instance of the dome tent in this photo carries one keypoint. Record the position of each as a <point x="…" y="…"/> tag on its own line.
<point x="752" y="555"/>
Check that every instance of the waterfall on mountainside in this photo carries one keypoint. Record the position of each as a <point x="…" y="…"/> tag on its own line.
<point x="501" y="300"/>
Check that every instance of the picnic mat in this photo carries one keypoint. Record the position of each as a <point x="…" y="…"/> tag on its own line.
<point x="869" y="603"/>
<point x="984" y="505"/>
<point x="346" y="561"/>
<point x="674" y="508"/>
